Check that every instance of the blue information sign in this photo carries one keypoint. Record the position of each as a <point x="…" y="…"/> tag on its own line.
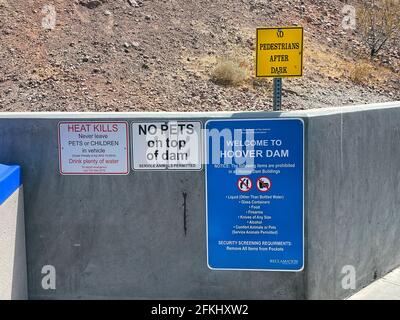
<point x="254" y="190"/>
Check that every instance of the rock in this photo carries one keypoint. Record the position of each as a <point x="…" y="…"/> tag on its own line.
<point x="135" y="44"/>
<point x="308" y="19"/>
<point x="133" y="3"/>
<point x="107" y="13"/>
<point x="91" y="4"/>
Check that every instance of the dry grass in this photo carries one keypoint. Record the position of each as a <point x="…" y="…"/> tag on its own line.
<point x="361" y="73"/>
<point x="230" y="71"/>
<point x="44" y="72"/>
<point x="236" y="68"/>
<point x="321" y="61"/>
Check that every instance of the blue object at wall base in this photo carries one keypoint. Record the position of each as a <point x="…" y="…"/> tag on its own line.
<point x="10" y="180"/>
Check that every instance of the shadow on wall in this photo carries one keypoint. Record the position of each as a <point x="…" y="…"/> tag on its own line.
<point x="19" y="290"/>
<point x="13" y="269"/>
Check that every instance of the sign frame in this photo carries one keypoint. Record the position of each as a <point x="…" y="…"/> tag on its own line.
<point x="206" y="155"/>
<point x="93" y="174"/>
<point x="201" y="154"/>
<point x="302" y="52"/>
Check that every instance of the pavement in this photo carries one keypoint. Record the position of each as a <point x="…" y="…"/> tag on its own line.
<point x="386" y="288"/>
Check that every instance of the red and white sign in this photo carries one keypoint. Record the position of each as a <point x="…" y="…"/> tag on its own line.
<point x="245" y="184"/>
<point x="93" y="148"/>
<point x="264" y="184"/>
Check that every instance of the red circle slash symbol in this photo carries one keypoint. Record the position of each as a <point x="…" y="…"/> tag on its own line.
<point x="245" y="184"/>
<point x="264" y="184"/>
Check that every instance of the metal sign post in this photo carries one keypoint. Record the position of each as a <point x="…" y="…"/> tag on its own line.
<point x="277" y="94"/>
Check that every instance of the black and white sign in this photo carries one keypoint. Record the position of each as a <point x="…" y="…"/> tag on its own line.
<point x="167" y="145"/>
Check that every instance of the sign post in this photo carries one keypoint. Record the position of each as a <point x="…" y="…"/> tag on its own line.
<point x="279" y="54"/>
<point x="277" y="94"/>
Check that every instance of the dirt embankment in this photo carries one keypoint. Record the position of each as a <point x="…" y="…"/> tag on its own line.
<point x="126" y="55"/>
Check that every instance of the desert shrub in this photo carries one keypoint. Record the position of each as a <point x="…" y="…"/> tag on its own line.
<point x="230" y="71"/>
<point x="361" y="73"/>
<point x="379" y="22"/>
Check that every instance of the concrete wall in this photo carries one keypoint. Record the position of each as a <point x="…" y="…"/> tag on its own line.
<point x="123" y="236"/>
<point x="353" y="197"/>
<point x="13" y="273"/>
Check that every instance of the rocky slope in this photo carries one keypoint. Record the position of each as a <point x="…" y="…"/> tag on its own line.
<point x="144" y="55"/>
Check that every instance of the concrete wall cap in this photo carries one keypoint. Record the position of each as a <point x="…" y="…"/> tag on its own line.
<point x="197" y="115"/>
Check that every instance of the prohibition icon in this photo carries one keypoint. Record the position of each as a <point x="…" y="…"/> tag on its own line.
<point x="264" y="184"/>
<point x="245" y="184"/>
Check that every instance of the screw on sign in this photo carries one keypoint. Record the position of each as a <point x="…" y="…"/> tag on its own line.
<point x="264" y="184"/>
<point x="244" y="184"/>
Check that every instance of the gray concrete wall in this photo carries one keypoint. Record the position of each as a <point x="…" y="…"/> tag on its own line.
<point x="13" y="273"/>
<point x="123" y="236"/>
<point x="353" y="197"/>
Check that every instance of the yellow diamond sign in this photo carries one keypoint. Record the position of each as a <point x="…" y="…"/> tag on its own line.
<point x="279" y="52"/>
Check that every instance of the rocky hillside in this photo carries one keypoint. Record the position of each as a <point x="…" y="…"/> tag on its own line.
<point x="159" y="55"/>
